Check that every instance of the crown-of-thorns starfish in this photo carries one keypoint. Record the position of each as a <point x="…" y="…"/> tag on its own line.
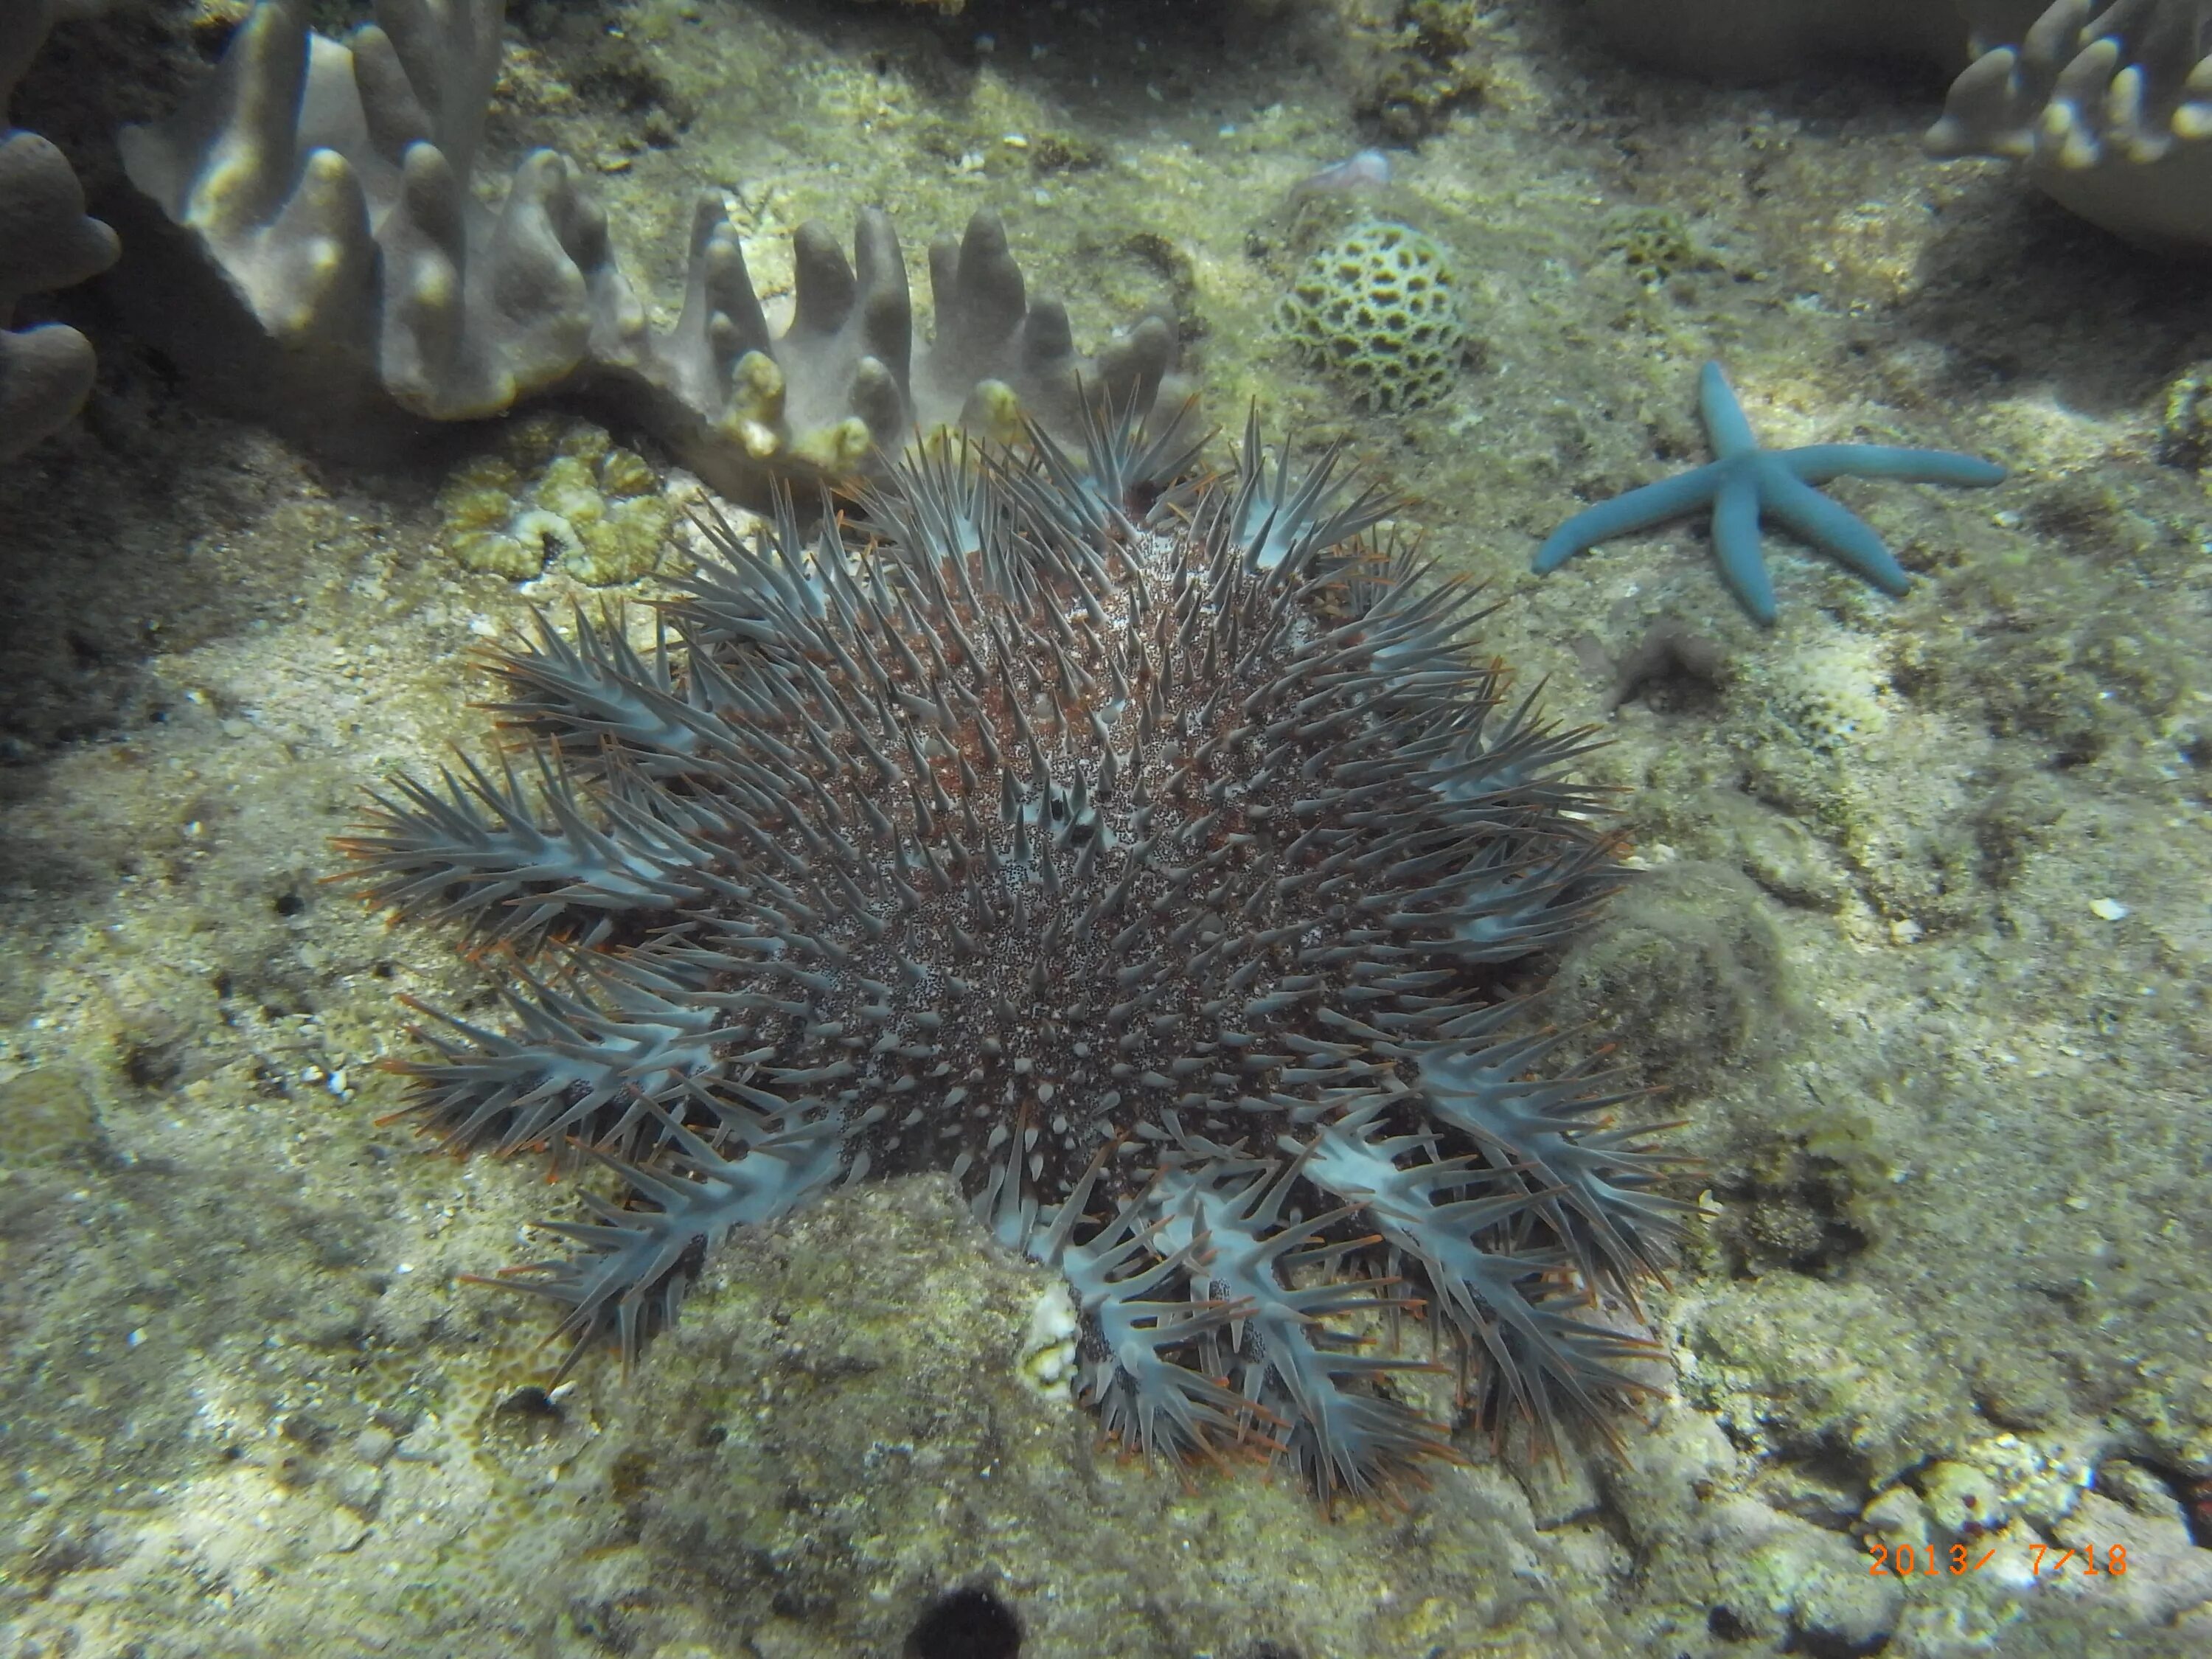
<point x="1745" y="485"/>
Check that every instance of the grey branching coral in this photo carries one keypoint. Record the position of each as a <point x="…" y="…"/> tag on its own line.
<point x="336" y="271"/>
<point x="2108" y="105"/>
<point x="1161" y="864"/>
<point x="46" y="242"/>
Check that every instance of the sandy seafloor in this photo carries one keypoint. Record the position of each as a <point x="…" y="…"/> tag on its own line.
<point x="1923" y="953"/>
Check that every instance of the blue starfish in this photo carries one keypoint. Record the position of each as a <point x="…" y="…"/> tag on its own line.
<point x="1746" y="485"/>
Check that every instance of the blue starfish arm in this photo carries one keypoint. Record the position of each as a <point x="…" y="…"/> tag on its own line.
<point x="1735" y="543"/>
<point x="1747" y="482"/>
<point x="1727" y="428"/>
<point x="1834" y="529"/>
<point x="1816" y="464"/>
<point x="1639" y="509"/>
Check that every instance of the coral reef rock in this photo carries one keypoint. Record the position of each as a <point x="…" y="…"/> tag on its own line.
<point x="319" y="258"/>
<point x="2108" y="106"/>
<point x="1163" y="867"/>
<point x="46" y="242"/>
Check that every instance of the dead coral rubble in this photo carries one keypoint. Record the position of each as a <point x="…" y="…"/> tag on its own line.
<point x="46" y="242"/>
<point x="336" y="274"/>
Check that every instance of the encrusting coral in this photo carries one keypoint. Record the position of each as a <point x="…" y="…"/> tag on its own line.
<point x="1158" y="861"/>
<point x="46" y="242"/>
<point x="1743" y="483"/>
<point x="333" y="269"/>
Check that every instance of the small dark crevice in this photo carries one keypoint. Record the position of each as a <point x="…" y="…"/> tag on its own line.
<point x="965" y="1624"/>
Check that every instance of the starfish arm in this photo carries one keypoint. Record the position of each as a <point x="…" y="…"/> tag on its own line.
<point x="1735" y="544"/>
<point x="1835" y="529"/>
<point x="1818" y="463"/>
<point x="1725" y="425"/>
<point x="1745" y="482"/>
<point x="1639" y="509"/>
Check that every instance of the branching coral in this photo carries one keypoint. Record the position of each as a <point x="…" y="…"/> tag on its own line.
<point x="333" y="268"/>
<point x="1162" y="864"/>
<point x="46" y="242"/>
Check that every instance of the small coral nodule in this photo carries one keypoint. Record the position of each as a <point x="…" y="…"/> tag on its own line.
<point x="1377" y="309"/>
<point x="1156" y="860"/>
<point x="555" y="494"/>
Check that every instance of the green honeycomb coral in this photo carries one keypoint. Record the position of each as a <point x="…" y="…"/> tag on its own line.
<point x="556" y="496"/>
<point x="1376" y="309"/>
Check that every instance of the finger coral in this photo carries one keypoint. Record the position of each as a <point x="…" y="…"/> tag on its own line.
<point x="329" y="265"/>
<point x="2108" y="105"/>
<point x="46" y="242"/>
<point x="2107" y="102"/>
<point x="1162" y="864"/>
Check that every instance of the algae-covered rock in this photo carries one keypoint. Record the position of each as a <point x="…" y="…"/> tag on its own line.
<point x="1810" y="1586"/>
<point x="1743" y="1570"/>
<point x="1656" y="244"/>
<point x="47" y="1116"/>
<point x="1828" y="1371"/>
<point x="1803" y="1183"/>
<point x="1412" y="73"/>
<point x="840" y="1431"/>
<point x="1686" y="966"/>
